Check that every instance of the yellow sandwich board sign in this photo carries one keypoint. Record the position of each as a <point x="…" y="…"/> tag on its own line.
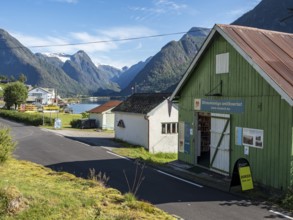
<point x="245" y="178"/>
<point x="242" y="175"/>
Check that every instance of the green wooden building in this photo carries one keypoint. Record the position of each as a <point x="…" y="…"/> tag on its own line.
<point x="235" y="101"/>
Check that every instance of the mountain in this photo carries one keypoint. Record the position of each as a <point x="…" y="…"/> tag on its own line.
<point x="81" y="68"/>
<point x="271" y="15"/>
<point x="16" y="59"/>
<point x="110" y="71"/>
<point x="166" y="68"/>
<point x="129" y="74"/>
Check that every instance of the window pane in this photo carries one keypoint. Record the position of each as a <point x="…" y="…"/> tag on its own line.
<point x="163" y="128"/>
<point x="168" y="128"/>
<point x="174" y="128"/>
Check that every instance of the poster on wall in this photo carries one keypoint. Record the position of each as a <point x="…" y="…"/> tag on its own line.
<point x="184" y="137"/>
<point x="253" y="137"/>
<point x="181" y="137"/>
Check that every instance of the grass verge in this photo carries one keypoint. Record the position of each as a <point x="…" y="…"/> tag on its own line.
<point x="31" y="191"/>
<point x="138" y="152"/>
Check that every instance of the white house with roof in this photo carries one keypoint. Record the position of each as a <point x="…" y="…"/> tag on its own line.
<point x="44" y="96"/>
<point x="148" y="120"/>
<point x="103" y="115"/>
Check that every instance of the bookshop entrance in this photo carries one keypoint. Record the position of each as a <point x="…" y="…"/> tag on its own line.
<point x="212" y="141"/>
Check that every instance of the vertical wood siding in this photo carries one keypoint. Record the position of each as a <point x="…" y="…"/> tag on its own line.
<point x="264" y="109"/>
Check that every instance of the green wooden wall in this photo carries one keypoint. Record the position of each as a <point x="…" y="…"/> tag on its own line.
<point x="264" y="109"/>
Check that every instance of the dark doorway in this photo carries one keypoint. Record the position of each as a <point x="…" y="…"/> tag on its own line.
<point x="204" y="139"/>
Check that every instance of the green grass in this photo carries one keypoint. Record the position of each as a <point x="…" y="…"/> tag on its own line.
<point x="30" y="191"/>
<point x="65" y="118"/>
<point x="138" y="152"/>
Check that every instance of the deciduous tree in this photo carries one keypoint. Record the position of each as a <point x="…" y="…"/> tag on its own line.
<point x="15" y="94"/>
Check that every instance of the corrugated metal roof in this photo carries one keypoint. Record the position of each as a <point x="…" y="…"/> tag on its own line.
<point x="269" y="52"/>
<point x="105" y="107"/>
<point x="272" y="51"/>
<point x="141" y="103"/>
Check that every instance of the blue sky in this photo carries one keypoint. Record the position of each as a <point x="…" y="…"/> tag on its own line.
<point x="54" y="22"/>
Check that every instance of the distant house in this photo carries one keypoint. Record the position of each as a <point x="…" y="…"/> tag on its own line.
<point x="145" y="119"/>
<point x="103" y="115"/>
<point x="44" y="96"/>
<point x="236" y="100"/>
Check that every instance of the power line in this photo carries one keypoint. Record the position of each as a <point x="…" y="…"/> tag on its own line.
<point x="104" y="41"/>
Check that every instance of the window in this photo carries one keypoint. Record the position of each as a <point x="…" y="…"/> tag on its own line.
<point x="169" y="128"/>
<point x="222" y="63"/>
<point x="121" y="124"/>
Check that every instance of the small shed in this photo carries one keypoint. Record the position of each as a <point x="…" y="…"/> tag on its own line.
<point x="103" y="115"/>
<point x="149" y="120"/>
<point x="235" y="101"/>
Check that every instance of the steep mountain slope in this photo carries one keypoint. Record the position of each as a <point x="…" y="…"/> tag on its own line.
<point x="167" y="67"/>
<point x="271" y="15"/>
<point x="16" y="59"/>
<point x="81" y="68"/>
<point x="129" y="74"/>
<point x="110" y="72"/>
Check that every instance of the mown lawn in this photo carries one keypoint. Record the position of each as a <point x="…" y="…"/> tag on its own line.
<point x="65" y="118"/>
<point x="30" y="191"/>
<point x="138" y="152"/>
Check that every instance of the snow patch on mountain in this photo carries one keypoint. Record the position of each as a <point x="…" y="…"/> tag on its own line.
<point x="61" y="56"/>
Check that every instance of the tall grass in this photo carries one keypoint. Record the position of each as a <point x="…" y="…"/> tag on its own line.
<point x="6" y="144"/>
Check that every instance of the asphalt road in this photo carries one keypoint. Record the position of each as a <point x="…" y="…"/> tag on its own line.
<point x="189" y="201"/>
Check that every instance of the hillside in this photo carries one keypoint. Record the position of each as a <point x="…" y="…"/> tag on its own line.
<point x="31" y="191"/>
<point x="16" y="59"/>
<point x="271" y="15"/>
<point x="166" y="68"/>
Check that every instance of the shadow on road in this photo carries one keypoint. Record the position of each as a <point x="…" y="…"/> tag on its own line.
<point x="97" y="141"/>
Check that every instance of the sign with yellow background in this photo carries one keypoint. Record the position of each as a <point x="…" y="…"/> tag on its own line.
<point x="245" y="178"/>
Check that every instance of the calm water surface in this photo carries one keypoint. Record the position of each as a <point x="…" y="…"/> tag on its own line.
<point x="80" y="107"/>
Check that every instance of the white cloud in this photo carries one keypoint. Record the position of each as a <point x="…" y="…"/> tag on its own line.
<point x="96" y="44"/>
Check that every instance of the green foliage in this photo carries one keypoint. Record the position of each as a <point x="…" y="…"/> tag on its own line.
<point x="30" y="119"/>
<point x="287" y="202"/>
<point x="138" y="152"/>
<point x="75" y="123"/>
<point x="6" y="144"/>
<point x="85" y="114"/>
<point x="14" y="94"/>
<point x="22" y="78"/>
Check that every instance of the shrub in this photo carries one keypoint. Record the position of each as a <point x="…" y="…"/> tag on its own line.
<point x="75" y="123"/>
<point x="288" y="200"/>
<point x="6" y="144"/>
<point x="31" y="119"/>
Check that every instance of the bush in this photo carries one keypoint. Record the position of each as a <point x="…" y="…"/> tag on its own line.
<point x="6" y="144"/>
<point x="288" y="200"/>
<point x="31" y="119"/>
<point x="75" y="123"/>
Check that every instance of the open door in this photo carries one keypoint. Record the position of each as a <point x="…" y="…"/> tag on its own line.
<point x="220" y="143"/>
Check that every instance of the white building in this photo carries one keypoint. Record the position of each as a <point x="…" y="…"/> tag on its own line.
<point x="44" y="96"/>
<point x="103" y="115"/>
<point x="148" y="120"/>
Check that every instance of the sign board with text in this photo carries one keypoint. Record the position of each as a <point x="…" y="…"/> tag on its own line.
<point x="219" y="106"/>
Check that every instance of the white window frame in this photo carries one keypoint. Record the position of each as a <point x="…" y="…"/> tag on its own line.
<point x="222" y="63"/>
<point x="169" y="128"/>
